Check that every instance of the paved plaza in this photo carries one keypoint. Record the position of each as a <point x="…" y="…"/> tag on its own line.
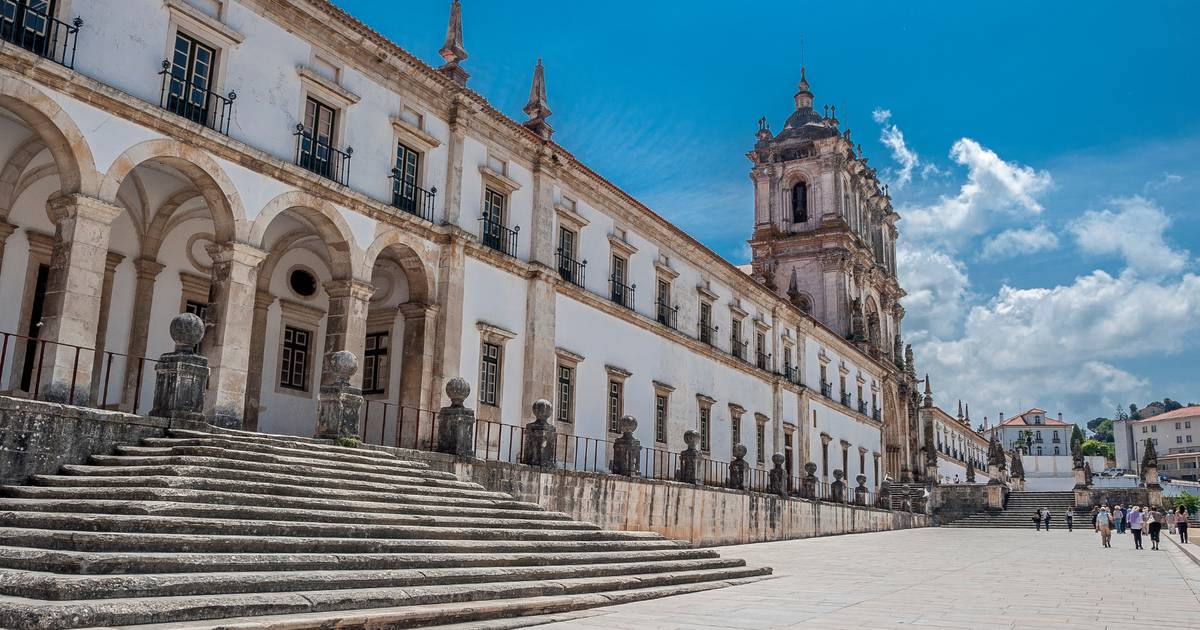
<point x="936" y="578"/>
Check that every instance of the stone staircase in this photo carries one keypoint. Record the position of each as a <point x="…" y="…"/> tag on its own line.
<point x="1018" y="512"/>
<point x="275" y="532"/>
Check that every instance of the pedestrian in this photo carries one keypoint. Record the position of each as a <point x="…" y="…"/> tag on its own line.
<point x="1135" y="525"/>
<point x="1118" y="516"/>
<point x="1181" y="523"/>
<point x="1156" y="518"/>
<point x="1037" y="519"/>
<point x="956" y="479"/>
<point x="1104" y="526"/>
<point x="1095" y="513"/>
<point x="1070" y="516"/>
<point x="1046" y="517"/>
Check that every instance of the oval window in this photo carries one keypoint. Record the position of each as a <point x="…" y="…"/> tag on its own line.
<point x="303" y="283"/>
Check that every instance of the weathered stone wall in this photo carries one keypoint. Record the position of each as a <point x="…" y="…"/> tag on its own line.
<point x="1114" y="496"/>
<point x="703" y="515"/>
<point x="39" y="437"/>
<point x="951" y="502"/>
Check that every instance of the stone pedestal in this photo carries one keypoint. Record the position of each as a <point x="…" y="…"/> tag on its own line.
<point x="456" y="423"/>
<point x="180" y="376"/>
<point x="627" y="450"/>
<point x="339" y="403"/>
<point x="860" y="492"/>
<point x="689" y="458"/>
<point x="538" y="447"/>
<point x="808" y="485"/>
<point x="777" y="479"/>
<point x="1083" y="498"/>
<point x="1153" y="488"/>
<point x="837" y="489"/>
<point x="995" y="475"/>
<point x="995" y="496"/>
<point x="737" y="468"/>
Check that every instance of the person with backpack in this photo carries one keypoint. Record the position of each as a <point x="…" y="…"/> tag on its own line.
<point x="1037" y="519"/>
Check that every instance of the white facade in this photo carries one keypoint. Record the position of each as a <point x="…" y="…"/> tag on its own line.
<point x="1176" y="436"/>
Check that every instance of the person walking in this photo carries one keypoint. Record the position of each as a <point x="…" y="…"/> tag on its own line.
<point x="1037" y="519"/>
<point x="1181" y="523"/>
<point x="1046" y="517"/>
<point x="1070" y="516"/>
<point x="1135" y="525"/>
<point x="1104" y="526"/>
<point x="1118" y="517"/>
<point x="1157" y="518"/>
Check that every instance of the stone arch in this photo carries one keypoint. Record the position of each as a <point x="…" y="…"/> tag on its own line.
<point x="10" y="175"/>
<point x="329" y="224"/>
<point x="220" y="195"/>
<point x="72" y="155"/>
<point x="419" y="273"/>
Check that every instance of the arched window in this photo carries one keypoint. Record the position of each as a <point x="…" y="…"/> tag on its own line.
<point x="800" y="203"/>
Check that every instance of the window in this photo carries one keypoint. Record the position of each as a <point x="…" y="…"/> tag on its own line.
<point x="27" y="24"/>
<point x="705" y="441"/>
<point x="1056" y="450"/>
<point x="735" y="421"/>
<point x="616" y="403"/>
<point x="566" y="394"/>
<point x="293" y="370"/>
<point x="1039" y="450"/>
<point x="199" y="309"/>
<point x="662" y="303"/>
<point x="800" y="203"/>
<point x="490" y="356"/>
<point x="1145" y="429"/>
<point x="787" y="361"/>
<point x="736" y="346"/>
<point x="824" y="375"/>
<point x="190" y="79"/>
<point x="406" y="193"/>
<point x="760" y="436"/>
<point x="621" y="292"/>
<point x="1154" y="428"/>
<point x="706" y="329"/>
<point x="375" y="363"/>
<point x="1187" y="424"/>
<point x="1179" y="439"/>
<point x="494" y="205"/>
<point x="760" y="345"/>
<point x="660" y="418"/>
<point x="566" y="242"/>
<point x="1189" y="438"/>
<point x="316" y="150"/>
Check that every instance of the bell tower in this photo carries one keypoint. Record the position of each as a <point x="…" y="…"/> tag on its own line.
<point x="824" y="229"/>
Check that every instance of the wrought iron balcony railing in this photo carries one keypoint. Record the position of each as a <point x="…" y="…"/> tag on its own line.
<point x="316" y="155"/>
<point x="498" y="237"/>
<point x="708" y="334"/>
<point x="666" y="314"/>
<point x="411" y="198"/>
<point x="194" y="101"/>
<point x="738" y="348"/>
<point x="792" y="374"/>
<point x="570" y="269"/>
<point x="39" y="32"/>
<point x="845" y="399"/>
<point x="622" y="293"/>
<point x="762" y="361"/>
<point x="875" y="414"/>
<point x="827" y="390"/>
<point x="862" y="407"/>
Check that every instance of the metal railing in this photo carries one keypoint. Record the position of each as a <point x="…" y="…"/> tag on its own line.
<point x="792" y="374"/>
<point x="666" y="314"/>
<point x="762" y="360"/>
<point x="319" y="157"/>
<point x="495" y="235"/>
<point x="708" y="334"/>
<point x="827" y="390"/>
<point x="875" y="414"/>
<point x="38" y="32"/>
<point x="195" y="103"/>
<point x="622" y="293"/>
<point x="862" y="407"/>
<point x="570" y="269"/>
<point x="411" y="198"/>
<point x="845" y="399"/>
<point x="26" y="358"/>
<point x="738" y="348"/>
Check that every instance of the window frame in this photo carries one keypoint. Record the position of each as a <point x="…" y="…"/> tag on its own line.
<point x="376" y="363"/>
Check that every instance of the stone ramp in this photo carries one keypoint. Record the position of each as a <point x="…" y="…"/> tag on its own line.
<point x="240" y="530"/>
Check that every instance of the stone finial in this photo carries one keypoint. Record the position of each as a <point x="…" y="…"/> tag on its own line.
<point x="338" y="403"/>
<point x="540" y="437"/>
<point x="342" y="364"/>
<point x="928" y="392"/>
<point x="452" y="51"/>
<point x="627" y="450"/>
<point x="456" y="423"/>
<point x="837" y="489"/>
<point x="808" y="484"/>
<point x="860" y="492"/>
<point x="542" y="410"/>
<point x="627" y="424"/>
<point x="458" y="390"/>
<point x="804" y="96"/>
<point x="777" y="478"/>
<point x="764" y="130"/>
<point x="537" y="108"/>
<point x="737" y="468"/>
<point x="739" y="451"/>
<point x="691" y="437"/>
<point x="186" y="331"/>
<point x="833" y="119"/>
<point x="689" y="458"/>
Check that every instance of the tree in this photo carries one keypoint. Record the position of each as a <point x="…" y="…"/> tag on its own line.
<point x="1096" y="447"/>
<point x="1076" y="434"/>
<point x="1095" y="422"/>
<point x="1133" y="412"/>
<point x="1171" y="405"/>
<point x="1104" y="431"/>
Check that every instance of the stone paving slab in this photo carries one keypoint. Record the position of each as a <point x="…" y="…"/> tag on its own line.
<point x="931" y="578"/>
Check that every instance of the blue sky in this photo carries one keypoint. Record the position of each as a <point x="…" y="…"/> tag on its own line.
<point x="1051" y="229"/>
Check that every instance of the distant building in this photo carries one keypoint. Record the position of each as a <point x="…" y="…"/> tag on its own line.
<point x="1036" y="432"/>
<point x="1176" y="437"/>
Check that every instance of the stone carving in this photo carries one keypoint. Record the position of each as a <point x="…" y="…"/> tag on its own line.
<point x="180" y="377"/>
<point x="898" y="353"/>
<point x="808" y="485"/>
<point x="860" y="492"/>
<point x="456" y="423"/>
<point x="538" y="449"/>
<point x="627" y="450"/>
<point x="858" y="328"/>
<point x="689" y="458"/>
<point x="737" y="468"/>
<point x="971" y="470"/>
<point x="910" y="367"/>
<point x="777" y="479"/>
<point x="1087" y="473"/>
<point x="1149" y="456"/>
<point x="1018" y="468"/>
<point x="837" y="489"/>
<point x="996" y="464"/>
<point x="1076" y="450"/>
<point x="339" y="402"/>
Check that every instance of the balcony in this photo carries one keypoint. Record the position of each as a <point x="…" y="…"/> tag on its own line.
<point x="845" y="400"/>
<point x="666" y="314"/>
<point x="707" y="333"/>
<point x="862" y="407"/>
<point x="411" y="198"/>
<point x="792" y="374"/>
<point x="827" y="390"/>
<point x="570" y="269"/>
<point x="621" y="293"/>
<point x="316" y="155"/>
<point x="194" y="101"/>
<point x="738" y="348"/>
<point x="875" y="415"/>
<point x="493" y="234"/>
<point x="762" y="361"/>
<point x="38" y="32"/>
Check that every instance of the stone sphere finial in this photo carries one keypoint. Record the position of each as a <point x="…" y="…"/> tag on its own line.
<point x="457" y="389"/>
<point x="838" y="474"/>
<point x="691" y="437"/>
<point x="810" y="468"/>
<point x="186" y="331"/>
<point x="627" y="424"/>
<point x="861" y="479"/>
<point x="778" y="459"/>
<point x="739" y="451"/>
<point x="342" y="364"/>
<point x="542" y="410"/>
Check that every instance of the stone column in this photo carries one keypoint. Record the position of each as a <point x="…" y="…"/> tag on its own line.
<point x="339" y="402"/>
<point x="258" y="346"/>
<point x="180" y="375"/>
<point x="689" y="458"/>
<point x="456" y="423"/>
<point x="73" y="294"/>
<point x="346" y="323"/>
<point x="737" y="468"/>
<point x="420" y="348"/>
<point x="540" y="438"/>
<point x="860" y="492"/>
<point x="454" y="161"/>
<point x="146" y="271"/>
<point x="627" y="450"/>
<point x="230" y="313"/>
<point x="448" y="336"/>
<point x="6" y="230"/>
<point x="112" y="259"/>
<point x="540" y="354"/>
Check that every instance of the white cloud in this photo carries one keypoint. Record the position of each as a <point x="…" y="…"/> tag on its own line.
<point x="993" y="186"/>
<point x="1167" y="180"/>
<point x="893" y="138"/>
<point x="1134" y="231"/>
<point x="937" y="290"/>
<point x="881" y="115"/>
<point x="1019" y="242"/>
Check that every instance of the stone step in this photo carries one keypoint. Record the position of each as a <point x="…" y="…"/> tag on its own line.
<point x="49" y="586"/>
<point x="192" y="481"/>
<point x="104" y="563"/>
<point x="274" y="454"/>
<point x="209" y="497"/>
<point x="300" y="447"/>
<point x="160" y="524"/>
<point x="459" y="615"/>
<point x="76" y="540"/>
<point x="23" y="612"/>
<point x="255" y="512"/>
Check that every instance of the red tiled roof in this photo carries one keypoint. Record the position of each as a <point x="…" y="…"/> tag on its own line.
<point x="1019" y="419"/>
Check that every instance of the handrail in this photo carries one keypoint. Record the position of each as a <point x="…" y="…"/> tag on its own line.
<point x="39" y="33"/>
